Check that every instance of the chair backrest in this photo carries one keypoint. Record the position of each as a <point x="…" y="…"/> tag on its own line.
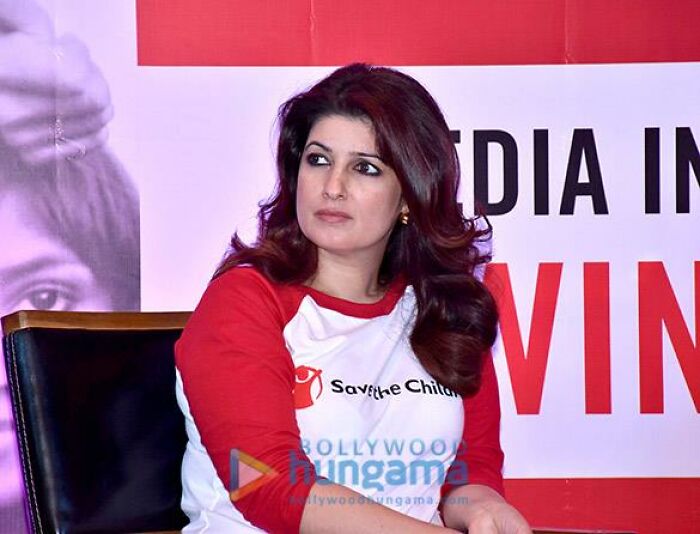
<point x="101" y="436"/>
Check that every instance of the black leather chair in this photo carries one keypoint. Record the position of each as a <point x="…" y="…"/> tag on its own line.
<point x="101" y="436"/>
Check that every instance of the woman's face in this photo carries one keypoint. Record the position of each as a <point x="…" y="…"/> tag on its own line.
<point x="348" y="199"/>
<point x="37" y="271"/>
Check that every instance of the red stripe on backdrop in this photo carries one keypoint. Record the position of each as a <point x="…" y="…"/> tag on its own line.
<point x="642" y="505"/>
<point x="415" y="32"/>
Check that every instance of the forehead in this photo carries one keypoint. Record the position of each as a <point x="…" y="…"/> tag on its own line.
<point x="345" y="134"/>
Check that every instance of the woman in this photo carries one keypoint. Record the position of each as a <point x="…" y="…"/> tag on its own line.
<point x="335" y="365"/>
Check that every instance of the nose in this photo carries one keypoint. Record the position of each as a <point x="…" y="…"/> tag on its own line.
<point x="335" y="186"/>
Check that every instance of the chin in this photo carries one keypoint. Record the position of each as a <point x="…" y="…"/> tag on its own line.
<point x="336" y="247"/>
<point x="340" y="240"/>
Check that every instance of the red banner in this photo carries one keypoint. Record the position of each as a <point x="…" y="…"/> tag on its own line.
<point x="414" y="32"/>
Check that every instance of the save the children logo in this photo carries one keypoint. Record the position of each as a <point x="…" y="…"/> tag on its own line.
<point x="308" y="386"/>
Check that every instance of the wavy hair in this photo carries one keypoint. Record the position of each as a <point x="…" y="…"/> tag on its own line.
<point x="440" y="249"/>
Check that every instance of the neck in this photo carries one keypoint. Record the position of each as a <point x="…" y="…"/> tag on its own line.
<point x="350" y="278"/>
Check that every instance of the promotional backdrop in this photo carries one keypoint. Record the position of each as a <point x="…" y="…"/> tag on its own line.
<point x="578" y="129"/>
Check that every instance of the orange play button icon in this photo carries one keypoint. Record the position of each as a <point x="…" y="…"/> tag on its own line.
<point x="247" y="474"/>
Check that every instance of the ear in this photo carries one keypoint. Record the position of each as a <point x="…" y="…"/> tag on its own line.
<point x="403" y="207"/>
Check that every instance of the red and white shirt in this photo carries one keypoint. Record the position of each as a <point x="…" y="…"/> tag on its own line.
<point x="314" y="386"/>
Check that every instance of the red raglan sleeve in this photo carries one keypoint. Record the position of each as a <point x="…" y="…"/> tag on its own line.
<point x="238" y="378"/>
<point x="481" y="445"/>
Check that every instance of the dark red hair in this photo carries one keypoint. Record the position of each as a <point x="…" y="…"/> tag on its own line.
<point x="438" y="251"/>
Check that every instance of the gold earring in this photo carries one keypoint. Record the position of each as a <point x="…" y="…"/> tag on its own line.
<point x="404" y="217"/>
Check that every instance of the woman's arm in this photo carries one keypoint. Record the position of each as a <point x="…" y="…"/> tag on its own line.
<point x="335" y="509"/>
<point x="238" y="378"/>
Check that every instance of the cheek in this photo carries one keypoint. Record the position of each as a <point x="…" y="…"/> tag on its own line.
<point x="382" y="207"/>
<point x="307" y="187"/>
<point x="303" y="195"/>
<point x="305" y="206"/>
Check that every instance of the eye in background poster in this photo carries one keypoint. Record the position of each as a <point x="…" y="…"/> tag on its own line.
<point x="591" y="173"/>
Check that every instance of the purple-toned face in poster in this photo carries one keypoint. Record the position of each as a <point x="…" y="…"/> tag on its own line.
<point x="69" y="219"/>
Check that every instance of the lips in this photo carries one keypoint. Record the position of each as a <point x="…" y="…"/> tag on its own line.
<point x="332" y="215"/>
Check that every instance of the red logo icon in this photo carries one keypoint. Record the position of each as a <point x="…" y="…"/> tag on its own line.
<point x="308" y="386"/>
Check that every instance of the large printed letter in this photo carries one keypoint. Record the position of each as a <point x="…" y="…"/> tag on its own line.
<point x="583" y="146"/>
<point x="657" y="306"/>
<point x="596" y="339"/>
<point x="527" y="370"/>
<point x="482" y="139"/>
<point x="687" y="155"/>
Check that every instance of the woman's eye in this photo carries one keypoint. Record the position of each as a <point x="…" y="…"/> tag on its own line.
<point x="317" y="160"/>
<point x="46" y="299"/>
<point x="364" y="167"/>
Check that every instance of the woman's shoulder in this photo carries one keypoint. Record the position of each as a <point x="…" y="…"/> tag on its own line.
<point x="241" y="277"/>
<point x="244" y="289"/>
<point x="242" y="283"/>
<point x="238" y="314"/>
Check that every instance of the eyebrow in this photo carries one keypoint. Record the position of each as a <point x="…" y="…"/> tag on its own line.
<point x="330" y="150"/>
<point x="14" y="272"/>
